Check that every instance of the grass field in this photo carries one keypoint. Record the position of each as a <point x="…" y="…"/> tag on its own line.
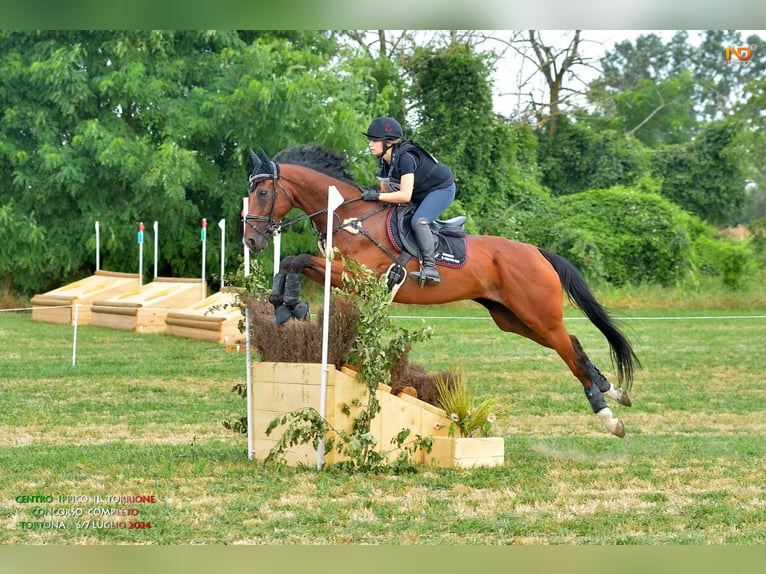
<point x="140" y="415"/>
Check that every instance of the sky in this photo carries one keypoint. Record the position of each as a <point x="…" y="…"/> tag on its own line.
<point x="593" y="45"/>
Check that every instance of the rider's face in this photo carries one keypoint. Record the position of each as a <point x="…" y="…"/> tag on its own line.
<point x="375" y="147"/>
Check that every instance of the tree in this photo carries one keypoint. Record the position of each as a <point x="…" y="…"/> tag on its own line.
<point x="717" y="83"/>
<point x="583" y="157"/>
<point x="132" y="126"/>
<point x="706" y="177"/>
<point x="558" y="61"/>
<point x="493" y="162"/>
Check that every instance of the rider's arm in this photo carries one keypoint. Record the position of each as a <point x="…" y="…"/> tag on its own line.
<point x="403" y="195"/>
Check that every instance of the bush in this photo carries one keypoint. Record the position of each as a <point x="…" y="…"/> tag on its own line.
<point x="621" y="236"/>
<point x="733" y="262"/>
<point x="757" y="231"/>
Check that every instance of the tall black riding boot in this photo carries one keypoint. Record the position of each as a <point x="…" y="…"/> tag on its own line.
<point x="428" y="274"/>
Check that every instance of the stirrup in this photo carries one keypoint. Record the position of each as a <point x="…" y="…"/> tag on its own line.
<point x="423" y="278"/>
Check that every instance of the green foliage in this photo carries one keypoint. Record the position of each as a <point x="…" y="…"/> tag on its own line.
<point x="128" y="126"/>
<point x="706" y="177"/>
<point x="583" y="156"/>
<point x="757" y="230"/>
<point x="656" y="112"/>
<point x="620" y="236"/>
<point x="625" y="236"/>
<point x="733" y="262"/>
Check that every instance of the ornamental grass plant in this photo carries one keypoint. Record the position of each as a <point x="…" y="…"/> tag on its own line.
<point x="468" y="418"/>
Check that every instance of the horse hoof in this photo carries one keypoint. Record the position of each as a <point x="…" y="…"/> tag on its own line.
<point x="619" y="429"/>
<point x="624" y="398"/>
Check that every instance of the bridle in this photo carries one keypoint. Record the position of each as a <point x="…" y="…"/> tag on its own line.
<point x="274" y="227"/>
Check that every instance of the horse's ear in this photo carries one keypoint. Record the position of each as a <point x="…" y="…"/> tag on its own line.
<point x="264" y="157"/>
<point x="256" y="161"/>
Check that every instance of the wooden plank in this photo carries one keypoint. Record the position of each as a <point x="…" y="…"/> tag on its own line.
<point x="448" y="452"/>
<point x="102" y="284"/>
<point x="147" y="306"/>
<point x="279" y="388"/>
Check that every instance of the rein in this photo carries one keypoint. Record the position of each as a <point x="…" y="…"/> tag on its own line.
<point x="273" y="227"/>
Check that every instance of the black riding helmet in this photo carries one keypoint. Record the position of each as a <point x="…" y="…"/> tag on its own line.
<point x="384" y="129"/>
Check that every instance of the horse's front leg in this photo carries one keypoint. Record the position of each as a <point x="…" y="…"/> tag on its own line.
<point x="313" y="267"/>
<point x="286" y="288"/>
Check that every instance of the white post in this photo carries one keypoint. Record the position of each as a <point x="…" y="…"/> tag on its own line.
<point x="74" y="339"/>
<point x="247" y="251"/>
<point x="156" y="227"/>
<point x="222" y="227"/>
<point x="277" y="251"/>
<point x="98" y="246"/>
<point x="334" y="199"/>
<point x="140" y="239"/>
<point x="203" y="238"/>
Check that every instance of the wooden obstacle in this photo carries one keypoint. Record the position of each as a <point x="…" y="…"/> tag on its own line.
<point x="144" y="309"/>
<point x="57" y="306"/>
<point x="215" y="318"/>
<point x="279" y="388"/>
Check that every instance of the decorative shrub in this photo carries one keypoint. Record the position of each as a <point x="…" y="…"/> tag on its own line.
<point x="301" y="341"/>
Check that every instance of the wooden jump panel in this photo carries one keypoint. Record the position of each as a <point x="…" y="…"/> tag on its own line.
<point x="144" y="309"/>
<point x="57" y="306"/>
<point x="279" y="388"/>
<point x="200" y="321"/>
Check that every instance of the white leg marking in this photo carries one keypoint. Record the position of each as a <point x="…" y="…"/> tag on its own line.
<point x="613" y="393"/>
<point x="613" y="425"/>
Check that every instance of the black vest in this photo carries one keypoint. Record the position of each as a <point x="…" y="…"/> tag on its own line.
<point x="430" y="173"/>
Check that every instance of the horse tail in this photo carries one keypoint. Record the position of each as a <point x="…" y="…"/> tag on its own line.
<point x="580" y="295"/>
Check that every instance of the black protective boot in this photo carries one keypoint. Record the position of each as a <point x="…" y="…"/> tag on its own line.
<point x="428" y="274"/>
<point x="277" y="290"/>
<point x="292" y="292"/>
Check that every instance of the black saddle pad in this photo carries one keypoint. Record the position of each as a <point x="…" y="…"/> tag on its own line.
<point x="449" y="250"/>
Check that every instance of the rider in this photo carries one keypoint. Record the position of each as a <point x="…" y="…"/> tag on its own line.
<point x="408" y="173"/>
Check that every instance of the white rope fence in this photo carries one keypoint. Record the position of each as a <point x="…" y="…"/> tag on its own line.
<point x="76" y="307"/>
<point x="75" y="317"/>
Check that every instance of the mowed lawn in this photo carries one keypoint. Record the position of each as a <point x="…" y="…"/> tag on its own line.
<point x="140" y="416"/>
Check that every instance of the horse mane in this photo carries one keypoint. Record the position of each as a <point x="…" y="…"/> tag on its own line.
<point x="320" y="158"/>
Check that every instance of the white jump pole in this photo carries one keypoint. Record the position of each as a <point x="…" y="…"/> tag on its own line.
<point x="140" y="240"/>
<point x="248" y="356"/>
<point x="334" y="200"/>
<point x="203" y="238"/>
<point x="277" y="251"/>
<point x="156" y="227"/>
<point x="247" y="251"/>
<point x="74" y="338"/>
<point x="98" y="246"/>
<point x="222" y="227"/>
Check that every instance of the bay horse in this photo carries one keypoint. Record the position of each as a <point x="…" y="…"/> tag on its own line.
<point x="519" y="284"/>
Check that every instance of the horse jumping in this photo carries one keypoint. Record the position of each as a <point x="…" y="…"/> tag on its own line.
<point x="519" y="284"/>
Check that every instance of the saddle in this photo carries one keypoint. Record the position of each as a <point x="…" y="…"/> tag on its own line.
<point x="450" y="248"/>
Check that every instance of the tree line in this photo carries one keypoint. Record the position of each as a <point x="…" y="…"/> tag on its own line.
<point x="631" y="182"/>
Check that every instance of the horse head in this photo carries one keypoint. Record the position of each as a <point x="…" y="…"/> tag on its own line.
<point x="265" y="206"/>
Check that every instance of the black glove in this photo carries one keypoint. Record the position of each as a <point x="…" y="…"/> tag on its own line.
<point x="370" y="194"/>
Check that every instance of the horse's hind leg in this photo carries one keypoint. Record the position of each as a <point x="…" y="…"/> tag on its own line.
<point x="594" y="384"/>
<point x="571" y="352"/>
<point x="596" y="376"/>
